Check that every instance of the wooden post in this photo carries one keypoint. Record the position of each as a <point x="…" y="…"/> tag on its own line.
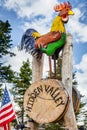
<point x="37" y="71"/>
<point x="69" y="118"/>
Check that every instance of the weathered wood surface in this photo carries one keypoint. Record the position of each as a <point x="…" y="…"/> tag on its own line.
<point x="37" y="69"/>
<point x="37" y="72"/>
<point x="69" y="118"/>
<point x="46" y="101"/>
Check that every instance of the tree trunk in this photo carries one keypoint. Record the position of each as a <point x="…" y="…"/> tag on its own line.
<point x="69" y="118"/>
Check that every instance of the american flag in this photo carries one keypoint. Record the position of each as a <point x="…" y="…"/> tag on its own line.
<point x="7" y="113"/>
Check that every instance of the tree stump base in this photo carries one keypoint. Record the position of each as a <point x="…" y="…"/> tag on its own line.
<point x="46" y="101"/>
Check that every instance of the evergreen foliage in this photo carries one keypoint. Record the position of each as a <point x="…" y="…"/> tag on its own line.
<point x="21" y="83"/>
<point x="6" y="74"/>
<point x="5" y="38"/>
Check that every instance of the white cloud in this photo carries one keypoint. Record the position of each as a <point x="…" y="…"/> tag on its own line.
<point x="83" y="63"/>
<point x="30" y="8"/>
<point x="81" y="75"/>
<point x="16" y="61"/>
<point x="39" y="25"/>
<point x="76" y="28"/>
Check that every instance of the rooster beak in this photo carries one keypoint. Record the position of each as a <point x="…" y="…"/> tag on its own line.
<point x="70" y="12"/>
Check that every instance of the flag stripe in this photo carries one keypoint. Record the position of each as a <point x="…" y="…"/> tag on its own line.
<point x="6" y="114"/>
<point x="6" y="110"/>
<point x="5" y="105"/>
<point x="6" y="120"/>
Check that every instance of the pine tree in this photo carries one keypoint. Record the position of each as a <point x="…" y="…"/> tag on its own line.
<point x="6" y="74"/>
<point x="5" y="38"/>
<point x="22" y="82"/>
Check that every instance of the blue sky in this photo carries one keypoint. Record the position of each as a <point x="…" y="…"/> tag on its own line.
<point x="38" y="14"/>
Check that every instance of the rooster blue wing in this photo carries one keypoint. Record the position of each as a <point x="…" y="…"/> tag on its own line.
<point x="27" y="43"/>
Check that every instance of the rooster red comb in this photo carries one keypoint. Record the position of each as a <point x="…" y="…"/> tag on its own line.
<point x="63" y="6"/>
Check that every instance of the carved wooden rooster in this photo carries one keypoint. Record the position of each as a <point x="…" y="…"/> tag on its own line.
<point x="52" y="42"/>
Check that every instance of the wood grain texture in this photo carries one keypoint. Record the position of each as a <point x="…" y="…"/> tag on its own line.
<point x="69" y="118"/>
<point x="45" y="101"/>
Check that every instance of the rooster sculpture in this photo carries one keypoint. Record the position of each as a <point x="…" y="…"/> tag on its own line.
<point x="52" y="42"/>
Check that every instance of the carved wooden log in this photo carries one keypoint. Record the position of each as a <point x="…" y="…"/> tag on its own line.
<point x="46" y="101"/>
<point x="69" y="118"/>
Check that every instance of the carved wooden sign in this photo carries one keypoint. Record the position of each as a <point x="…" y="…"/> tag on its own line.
<point x="45" y="101"/>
